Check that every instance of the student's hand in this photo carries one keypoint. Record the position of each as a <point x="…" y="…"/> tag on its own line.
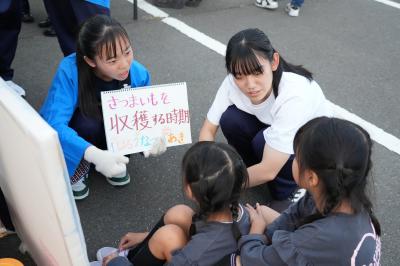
<point x="159" y="147"/>
<point x="131" y="239"/>
<point x="106" y="162"/>
<point x="258" y="223"/>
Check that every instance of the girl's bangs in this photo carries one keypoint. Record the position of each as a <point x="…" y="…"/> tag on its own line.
<point x="244" y="62"/>
<point x="107" y="48"/>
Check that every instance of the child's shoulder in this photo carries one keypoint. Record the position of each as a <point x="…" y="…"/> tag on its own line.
<point x="211" y="242"/>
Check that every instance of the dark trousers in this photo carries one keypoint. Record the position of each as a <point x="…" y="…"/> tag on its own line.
<point x="25" y="7"/>
<point x="66" y="16"/>
<point x="10" y="26"/>
<point x="245" y="132"/>
<point x="90" y="129"/>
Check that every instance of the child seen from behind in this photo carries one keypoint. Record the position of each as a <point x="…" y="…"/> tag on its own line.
<point x="214" y="176"/>
<point x="333" y="224"/>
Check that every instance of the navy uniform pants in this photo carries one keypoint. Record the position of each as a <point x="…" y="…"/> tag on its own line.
<point x="10" y="26"/>
<point x="245" y="132"/>
<point x="66" y="16"/>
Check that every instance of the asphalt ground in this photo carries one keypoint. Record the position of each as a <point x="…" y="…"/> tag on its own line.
<point x="351" y="46"/>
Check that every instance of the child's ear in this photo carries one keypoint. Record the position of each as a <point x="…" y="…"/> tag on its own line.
<point x="189" y="192"/>
<point x="275" y="61"/>
<point x="89" y="61"/>
<point x="312" y="178"/>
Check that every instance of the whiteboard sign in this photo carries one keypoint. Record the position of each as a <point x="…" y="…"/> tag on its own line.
<point x="36" y="185"/>
<point x="134" y="117"/>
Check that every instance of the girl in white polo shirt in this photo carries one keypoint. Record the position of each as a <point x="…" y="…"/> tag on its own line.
<point x="260" y="105"/>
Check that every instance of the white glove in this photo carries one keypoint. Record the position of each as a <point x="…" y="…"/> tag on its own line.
<point x="158" y="147"/>
<point x="106" y="162"/>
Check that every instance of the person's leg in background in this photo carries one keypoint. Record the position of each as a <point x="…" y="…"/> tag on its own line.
<point x="64" y="23"/>
<point x="66" y="16"/>
<point x="26" y="12"/>
<point x="46" y="23"/>
<point x="10" y="26"/>
<point x="86" y="9"/>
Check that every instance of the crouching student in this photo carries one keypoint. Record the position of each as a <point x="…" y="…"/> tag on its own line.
<point x="259" y="106"/>
<point x="103" y="62"/>
<point x="333" y="224"/>
<point x="213" y="177"/>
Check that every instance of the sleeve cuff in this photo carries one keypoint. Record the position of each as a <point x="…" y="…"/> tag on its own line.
<point x="252" y="237"/>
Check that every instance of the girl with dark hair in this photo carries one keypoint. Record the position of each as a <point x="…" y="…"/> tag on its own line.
<point x="260" y="105"/>
<point x="103" y="61"/>
<point x="214" y="176"/>
<point x="333" y="224"/>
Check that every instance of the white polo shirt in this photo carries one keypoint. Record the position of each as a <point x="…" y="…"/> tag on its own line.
<point x="298" y="101"/>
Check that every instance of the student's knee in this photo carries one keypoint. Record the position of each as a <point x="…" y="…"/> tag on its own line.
<point x="180" y="215"/>
<point x="228" y="121"/>
<point x="166" y="240"/>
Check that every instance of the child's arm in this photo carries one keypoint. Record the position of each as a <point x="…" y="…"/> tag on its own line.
<point x="285" y="248"/>
<point x="269" y="167"/>
<point x="260" y="217"/>
<point x="131" y="239"/>
<point x="255" y="251"/>
<point x="289" y="219"/>
<point x="208" y="131"/>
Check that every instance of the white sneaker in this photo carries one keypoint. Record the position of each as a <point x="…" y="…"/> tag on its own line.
<point x="18" y="89"/>
<point x="105" y="251"/>
<point x="268" y="4"/>
<point x="119" y="181"/>
<point x="80" y="189"/>
<point x="292" y="11"/>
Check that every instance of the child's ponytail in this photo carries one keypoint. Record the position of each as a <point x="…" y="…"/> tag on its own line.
<point x="216" y="175"/>
<point x="339" y="152"/>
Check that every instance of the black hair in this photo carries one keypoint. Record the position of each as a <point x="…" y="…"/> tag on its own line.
<point x="216" y="175"/>
<point x="339" y="152"/>
<point x="95" y="34"/>
<point x="241" y="57"/>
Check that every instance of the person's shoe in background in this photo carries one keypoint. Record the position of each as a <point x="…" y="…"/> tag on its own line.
<point x="292" y="10"/>
<point x="50" y="32"/>
<point x="177" y="4"/>
<point x="267" y="4"/>
<point x="27" y="18"/>
<point x="44" y="23"/>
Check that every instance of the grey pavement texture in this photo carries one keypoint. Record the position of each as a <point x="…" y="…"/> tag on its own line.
<point x="351" y="46"/>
